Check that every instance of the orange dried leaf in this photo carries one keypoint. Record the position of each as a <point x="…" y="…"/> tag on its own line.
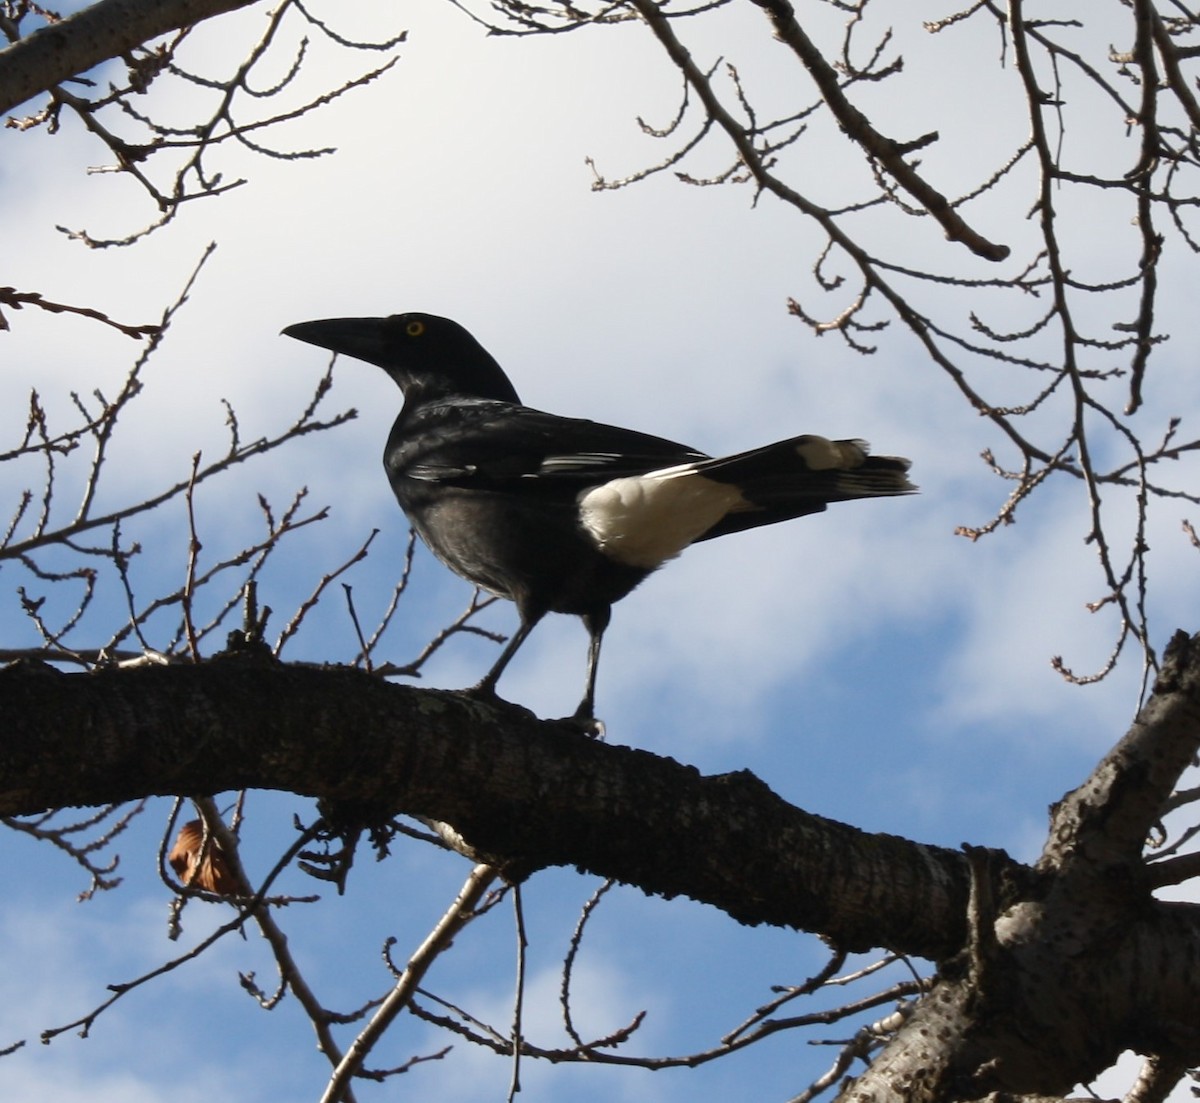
<point x="209" y="872"/>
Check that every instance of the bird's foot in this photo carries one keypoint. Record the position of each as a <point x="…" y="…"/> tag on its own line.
<point x="485" y="691"/>
<point x="586" y="724"/>
<point x="582" y="721"/>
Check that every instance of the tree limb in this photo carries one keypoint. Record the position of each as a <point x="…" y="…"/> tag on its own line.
<point x="1058" y="988"/>
<point x="100" y="32"/>
<point x="522" y="793"/>
<point x="1080" y="961"/>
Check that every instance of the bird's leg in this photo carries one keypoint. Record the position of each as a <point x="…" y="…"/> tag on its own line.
<point x="487" y="685"/>
<point x="595" y="623"/>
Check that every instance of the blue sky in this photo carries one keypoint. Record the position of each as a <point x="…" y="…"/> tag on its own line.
<point x="866" y="663"/>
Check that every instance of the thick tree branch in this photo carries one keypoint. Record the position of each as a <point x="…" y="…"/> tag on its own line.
<point x="523" y="793"/>
<point x="1045" y="976"/>
<point x="1103" y="825"/>
<point x="98" y="33"/>
<point x="1064" y="981"/>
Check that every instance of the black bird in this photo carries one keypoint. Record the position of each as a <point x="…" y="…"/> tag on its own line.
<point x="561" y="514"/>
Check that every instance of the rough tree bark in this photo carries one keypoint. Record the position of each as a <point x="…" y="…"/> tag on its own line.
<point x="98" y="33"/>
<point x="1051" y="990"/>
<point x="523" y="793"/>
<point x="1046" y="973"/>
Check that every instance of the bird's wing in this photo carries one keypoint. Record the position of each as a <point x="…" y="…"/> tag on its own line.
<point x="493" y="445"/>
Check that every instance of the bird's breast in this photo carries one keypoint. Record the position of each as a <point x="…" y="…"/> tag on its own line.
<point x="533" y="552"/>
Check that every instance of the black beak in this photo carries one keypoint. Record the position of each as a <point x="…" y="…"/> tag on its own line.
<point x="362" y="338"/>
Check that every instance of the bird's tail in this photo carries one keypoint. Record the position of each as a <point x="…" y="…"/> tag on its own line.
<point x="795" y="477"/>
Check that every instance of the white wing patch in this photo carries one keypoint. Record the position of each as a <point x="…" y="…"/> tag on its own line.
<point x="822" y="455"/>
<point x="644" y="520"/>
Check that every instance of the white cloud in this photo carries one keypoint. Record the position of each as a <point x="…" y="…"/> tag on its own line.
<point x="866" y="659"/>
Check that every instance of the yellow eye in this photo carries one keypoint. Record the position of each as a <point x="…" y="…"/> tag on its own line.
<point x="415" y="329"/>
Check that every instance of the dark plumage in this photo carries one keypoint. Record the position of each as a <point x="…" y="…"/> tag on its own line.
<point x="562" y="514"/>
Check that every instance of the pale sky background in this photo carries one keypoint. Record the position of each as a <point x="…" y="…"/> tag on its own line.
<point x="866" y="663"/>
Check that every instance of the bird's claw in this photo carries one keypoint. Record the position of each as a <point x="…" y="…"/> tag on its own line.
<point x="586" y="725"/>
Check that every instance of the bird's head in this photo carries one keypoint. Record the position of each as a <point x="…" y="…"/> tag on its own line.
<point x="421" y="352"/>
